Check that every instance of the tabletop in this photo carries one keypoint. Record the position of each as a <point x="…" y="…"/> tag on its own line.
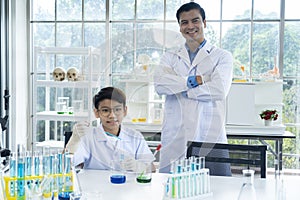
<point x="222" y="188"/>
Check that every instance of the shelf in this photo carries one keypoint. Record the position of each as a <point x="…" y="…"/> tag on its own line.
<point x="259" y="82"/>
<point x="256" y="129"/>
<point x="135" y="81"/>
<point x="66" y="84"/>
<point x="47" y="124"/>
<point x="144" y="127"/>
<point x="53" y="116"/>
<point x="269" y="104"/>
<point x="67" y="50"/>
<point x="156" y="101"/>
<point x="138" y="102"/>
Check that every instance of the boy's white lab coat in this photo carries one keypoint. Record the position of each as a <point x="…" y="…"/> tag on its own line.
<point x="96" y="150"/>
<point x="196" y="114"/>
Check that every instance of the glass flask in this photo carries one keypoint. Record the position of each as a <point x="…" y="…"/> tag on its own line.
<point x="247" y="191"/>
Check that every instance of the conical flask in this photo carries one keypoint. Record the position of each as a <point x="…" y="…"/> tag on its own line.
<point x="247" y="191"/>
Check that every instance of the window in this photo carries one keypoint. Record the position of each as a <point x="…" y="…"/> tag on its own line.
<point x="259" y="34"/>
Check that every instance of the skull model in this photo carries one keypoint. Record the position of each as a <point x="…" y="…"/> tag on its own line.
<point x="59" y="74"/>
<point x="73" y="74"/>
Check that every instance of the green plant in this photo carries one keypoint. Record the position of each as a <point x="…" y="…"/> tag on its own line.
<point x="269" y="115"/>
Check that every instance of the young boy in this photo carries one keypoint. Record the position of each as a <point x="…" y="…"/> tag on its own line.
<point x="111" y="140"/>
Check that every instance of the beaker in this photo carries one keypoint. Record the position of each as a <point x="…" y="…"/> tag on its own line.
<point x="144" y="171"/>
<point x="62" y="105"/>
<point x="117" y="173"/>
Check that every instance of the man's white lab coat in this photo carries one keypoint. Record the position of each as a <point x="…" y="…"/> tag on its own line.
<point x="198" y="113"/>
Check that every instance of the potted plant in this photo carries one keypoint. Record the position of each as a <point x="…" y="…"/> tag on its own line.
<point x="269" y="116"/>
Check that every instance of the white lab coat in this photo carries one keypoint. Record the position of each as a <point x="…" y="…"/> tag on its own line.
<point x="199" y="114"/>
<point x="96" y="149"/>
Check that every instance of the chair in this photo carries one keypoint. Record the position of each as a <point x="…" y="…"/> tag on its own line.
<point x="241" y="155"/>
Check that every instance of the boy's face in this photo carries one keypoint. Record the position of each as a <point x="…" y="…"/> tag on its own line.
<point x="111" y="114"/>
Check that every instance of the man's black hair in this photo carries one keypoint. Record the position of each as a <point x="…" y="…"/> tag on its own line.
<point x="109" y="93"/>
<point x="190" y="6"/>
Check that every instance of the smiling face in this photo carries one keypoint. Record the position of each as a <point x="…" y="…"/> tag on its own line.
<point x="192" y="27"/>
<point x="111" y="114"/>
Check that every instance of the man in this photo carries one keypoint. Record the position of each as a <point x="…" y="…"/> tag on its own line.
<point x="196" y="79"/>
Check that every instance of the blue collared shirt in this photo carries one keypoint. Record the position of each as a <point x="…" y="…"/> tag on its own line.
<point x="192" y="55"/>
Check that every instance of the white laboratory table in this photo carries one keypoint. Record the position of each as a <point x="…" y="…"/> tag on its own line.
<point x="223" y="188"/>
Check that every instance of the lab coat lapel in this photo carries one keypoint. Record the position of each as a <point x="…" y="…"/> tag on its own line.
<point x="202" y="54"/>
<point x="183" y="54"/>
<point x="102" y="137"/>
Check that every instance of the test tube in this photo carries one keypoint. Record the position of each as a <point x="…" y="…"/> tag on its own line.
<point x="28" y="168"/>
<point x="59" y="165"/>
<point x="207" y="181"/>
<point x="28" y="164"/>
<point x="12" y="174"/>
<point x="36" y="163"/>
<point x="173" y="181"/>
<point x="193" y="178"/>
<point x="187" y="178"/>
<point x="21" y="176"/>
<point x="67" y="178"/>
<point x="55" y="185"/>
<point x="46" y="160"/>
<point x="178" y="165"/>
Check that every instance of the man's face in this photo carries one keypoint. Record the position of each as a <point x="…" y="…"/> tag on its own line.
<point x="111" y="114"/>
<point x="192" y="26"/>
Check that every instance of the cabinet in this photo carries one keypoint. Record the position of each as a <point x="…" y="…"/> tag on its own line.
<point x="144" y="104"/>
<point x="246" y="101"/>
<point x="49" y="120"/>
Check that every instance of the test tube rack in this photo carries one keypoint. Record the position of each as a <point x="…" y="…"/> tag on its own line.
<point x="15" y="182"/>
<point x="189" y="185"/>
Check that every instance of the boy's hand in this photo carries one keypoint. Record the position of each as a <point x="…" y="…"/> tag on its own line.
<point x="79" y="130"/>
<point x="129" y="164"/>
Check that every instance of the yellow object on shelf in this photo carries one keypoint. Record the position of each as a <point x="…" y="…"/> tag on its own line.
<point x="142" y="119"/>
<point x="134" y="120"/>
<point x="240" y="81"/>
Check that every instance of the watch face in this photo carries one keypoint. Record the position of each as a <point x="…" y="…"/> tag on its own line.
<point x="199" y="80"/>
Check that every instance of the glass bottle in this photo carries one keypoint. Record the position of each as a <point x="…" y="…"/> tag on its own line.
<point x="247" y="191"/>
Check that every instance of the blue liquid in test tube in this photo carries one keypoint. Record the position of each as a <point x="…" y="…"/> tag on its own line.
<point x="46" y="161"/>
<point x="60" y="171"/>
<point x="28" y="164"/>
<point x="28" y="167"/>
<point x="36" y="163"/>
<point x="12" y="173"/>
<point x="21" y="176"/>
<point x="67" y="179"/>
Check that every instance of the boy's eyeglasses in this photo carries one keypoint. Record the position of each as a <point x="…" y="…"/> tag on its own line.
<point x="105" y="112"/>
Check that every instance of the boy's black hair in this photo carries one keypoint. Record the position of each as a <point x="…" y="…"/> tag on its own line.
<point x="109" y="93"/>
<point x="190" y="6"/>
